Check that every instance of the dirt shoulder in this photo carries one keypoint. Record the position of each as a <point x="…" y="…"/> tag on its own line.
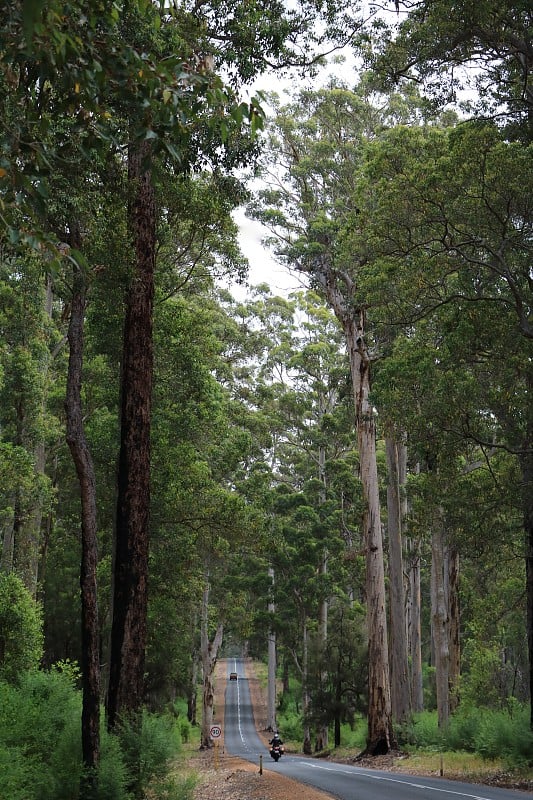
<point x="225" y="777"/>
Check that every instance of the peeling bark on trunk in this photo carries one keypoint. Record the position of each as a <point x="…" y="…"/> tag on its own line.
<point x="209" y="653"/>
<point x="322" y="734"/>
<point x="415" y="622"/>
<point x="306" y="746"/>
<point x="130" y="572"/>
<point x="440" y="623"/>
<point x="401" y="707"/>
<point x="351" y="315"/>
<point x="271" y="685"/>
<point x="455" y="627"/>
<point x="90" y="658"/>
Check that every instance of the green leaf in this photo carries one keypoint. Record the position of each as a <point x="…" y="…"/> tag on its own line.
<point x="13" y="235"/>
<point x="79" y="259"/>
<point x="31" y="11"/>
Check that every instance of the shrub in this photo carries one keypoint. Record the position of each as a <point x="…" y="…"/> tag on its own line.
<point x="355" y="737"/>
<point x="113" y="775"/>
<point x="185" y="730"/>
<point x="172" y="788"/>
<point x="462" y="730"/>
<point x="501" y="735"/>
<point x="16" y="772"/>
<point x="490" y="734"/>
<point x="40" y="744"/>
<point x="39" y="720"/>
<point x="21" y="637"/>
<point x="290" y="726"/>
<point x="40" y="741"/>
<point x="424" y="731"/>
<point x="156" y="745"/>
<point x="160" y="742"/>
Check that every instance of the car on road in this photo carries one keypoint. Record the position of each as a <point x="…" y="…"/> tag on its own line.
<point x="233" y="676"/>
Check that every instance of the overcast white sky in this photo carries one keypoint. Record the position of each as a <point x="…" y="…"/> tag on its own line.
<point x="263" y="267"/>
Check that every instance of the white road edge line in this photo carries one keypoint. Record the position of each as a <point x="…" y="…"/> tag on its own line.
<point x="396" y="780"/>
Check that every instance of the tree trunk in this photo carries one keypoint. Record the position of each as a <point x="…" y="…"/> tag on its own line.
<point x="209" y="652"/>
<point x="526" y="464"/>
<point x="401" y="707"/>
<point x="271" y="686"/>
<point x="130" y="569"/>
<point x="306" y="747"/>
<point x="192" y="685"/>
<point x="8" y="546"/>
<point x="322" y="734"/>
<point x="455" y="626"/>
<point x="337" y="717"/>
<point x="286" y="677"/>
<point x="415" y="628"/>
<point x="191" y="692"/>
<point x="90" y="660"/>
<point x="27" y="528"/>
<point x="440" y="622"/>
<point x="380" y="731"/>
<point x="26" y="532"/>
<point x="351" y="315"/>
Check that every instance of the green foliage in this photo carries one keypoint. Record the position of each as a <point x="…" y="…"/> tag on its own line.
<point x="488" y="40"/>
<point x="423" y="731"/>
<point x="40" y="743"/>
<point x="337" y="672"/>
<point x="185" y="729"/>
<point x="16" y="772"/>
<point x="355" y="736"/>
<point x="463" y="730"/>
<point x="158" y="742"/>
<point x="21" y="637"/>
<point x="490" y="734"/>
<point x="173" y="788"/>
<point x="480" y="686"/>
<point x="290" y="725"/>
<point x="39" y="728"/>
<point x="113" y="777"/>
<point x="502" y="735"/>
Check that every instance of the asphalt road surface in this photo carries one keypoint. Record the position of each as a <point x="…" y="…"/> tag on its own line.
<point x="340" y="780"/>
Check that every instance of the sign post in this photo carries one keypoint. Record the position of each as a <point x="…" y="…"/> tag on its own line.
<point x="215" y="733"/>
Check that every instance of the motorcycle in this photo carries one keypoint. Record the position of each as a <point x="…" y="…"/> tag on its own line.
<point x="276" y="751"/>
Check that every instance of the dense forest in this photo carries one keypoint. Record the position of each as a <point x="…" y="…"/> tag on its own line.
<point x="339" y="481"/>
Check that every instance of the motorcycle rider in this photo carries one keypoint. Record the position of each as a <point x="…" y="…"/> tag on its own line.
<point x="276" y="741"/>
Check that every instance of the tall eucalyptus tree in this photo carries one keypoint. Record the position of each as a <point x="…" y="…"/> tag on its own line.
<point x="456" y="245"/>
<point x="315" y="151"/>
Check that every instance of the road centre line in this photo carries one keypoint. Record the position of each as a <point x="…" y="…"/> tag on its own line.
<point x="239" y="712"/>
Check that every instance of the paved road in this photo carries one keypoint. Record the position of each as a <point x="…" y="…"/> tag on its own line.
<point x="340" y="780"/>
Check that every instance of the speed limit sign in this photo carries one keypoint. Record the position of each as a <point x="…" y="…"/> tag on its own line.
<point x="215" y="731"/>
